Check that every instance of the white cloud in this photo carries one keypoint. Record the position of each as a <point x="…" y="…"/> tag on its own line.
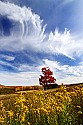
<point x="6" y="57"/>
<point x="63" y="74"/>
<point x="63" y="3"/>
<point x="6" y="64"/>
<point x="67" y="1"/>
<point x="27" y="27"/>
<point x="23" y="78"/>
<point x="70" y="80"/>
<point x="25" y="67"/>
<point x="28" y="34"/>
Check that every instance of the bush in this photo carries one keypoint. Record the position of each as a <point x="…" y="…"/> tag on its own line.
<point x="6" y="91"/>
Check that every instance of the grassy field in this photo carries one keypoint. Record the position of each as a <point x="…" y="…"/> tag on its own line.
<point x="60" y="106"/>
<point x="13" y="89"/>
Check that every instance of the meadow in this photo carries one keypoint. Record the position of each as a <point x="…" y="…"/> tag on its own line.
<point x="60" y="106"/>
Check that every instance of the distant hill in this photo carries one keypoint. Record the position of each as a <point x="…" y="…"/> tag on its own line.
<point x="74" y="84"/>
<point x="36" y="87"/>
<point x="1" y="86"/>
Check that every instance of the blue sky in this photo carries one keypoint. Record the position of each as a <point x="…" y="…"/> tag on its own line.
<point x="38" y="33"/>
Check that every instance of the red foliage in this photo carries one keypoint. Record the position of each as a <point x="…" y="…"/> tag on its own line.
<point x="47" y="77"/>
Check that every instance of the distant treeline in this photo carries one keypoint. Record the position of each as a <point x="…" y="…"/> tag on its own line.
<point x="25" y="88"/>
<point x="13" y="89"/>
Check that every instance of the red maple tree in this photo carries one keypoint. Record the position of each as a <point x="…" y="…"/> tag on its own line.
<point x="46" y="79"/>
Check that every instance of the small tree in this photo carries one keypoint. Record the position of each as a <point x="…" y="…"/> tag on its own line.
<point x="47" y="80"/>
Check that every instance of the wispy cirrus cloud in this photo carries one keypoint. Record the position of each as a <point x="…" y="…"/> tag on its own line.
<point x="67" y="1"/>
<point x="6" y="57"/>
<point x="29" y="33"/>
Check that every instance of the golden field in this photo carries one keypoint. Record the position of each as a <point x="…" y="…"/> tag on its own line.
<point x="60" y="106"/>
